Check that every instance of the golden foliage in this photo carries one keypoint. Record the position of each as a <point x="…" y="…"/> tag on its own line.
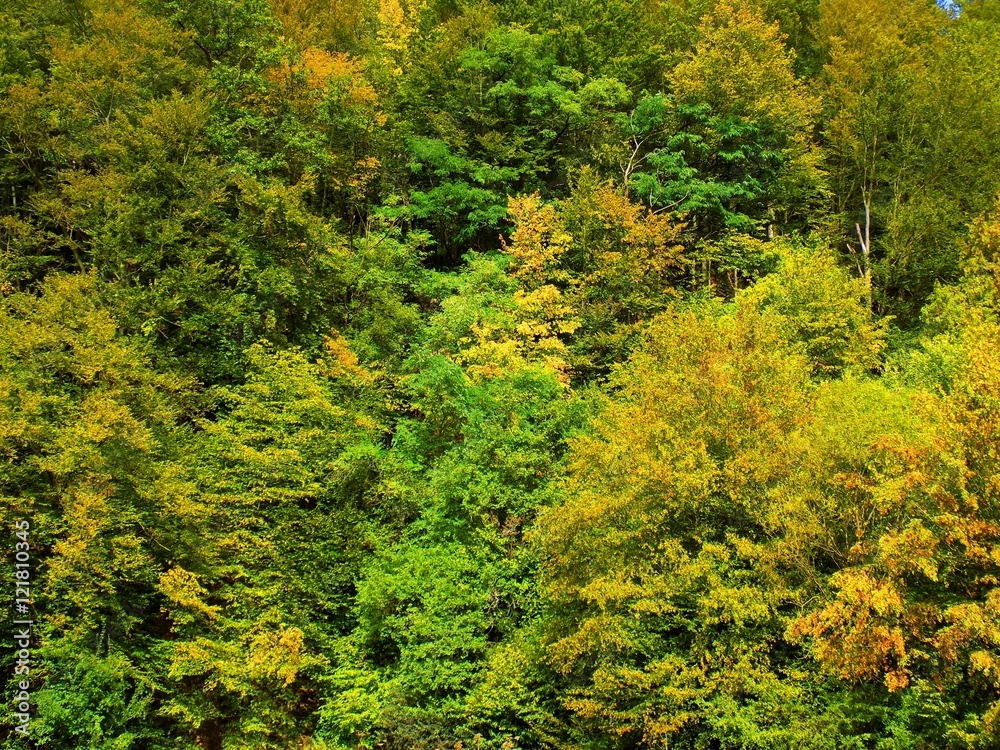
<point x="740" y="66"/>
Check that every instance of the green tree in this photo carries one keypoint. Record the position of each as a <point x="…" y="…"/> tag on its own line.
<point x="510" y="120"/>
<point x="92" y="446"/>
<point x="286" y="479"/>
<point x="730" y="146"/>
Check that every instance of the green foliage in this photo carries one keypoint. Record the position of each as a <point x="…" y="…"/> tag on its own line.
<point x="91" y="445"/>
<point x="730" y="145"/>
<point x="510" y="120"/>
<point x="474" y="463"/>
<point x="285" y="482"/>
<point x="666" y="607"/>
<point x="823" y="309"/>
<point x="498" y="374"/>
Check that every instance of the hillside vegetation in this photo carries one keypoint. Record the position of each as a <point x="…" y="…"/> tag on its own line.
<point x="503" y="374"/>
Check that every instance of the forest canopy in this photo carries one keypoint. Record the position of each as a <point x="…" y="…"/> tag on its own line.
<point x="502" y="374"/>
